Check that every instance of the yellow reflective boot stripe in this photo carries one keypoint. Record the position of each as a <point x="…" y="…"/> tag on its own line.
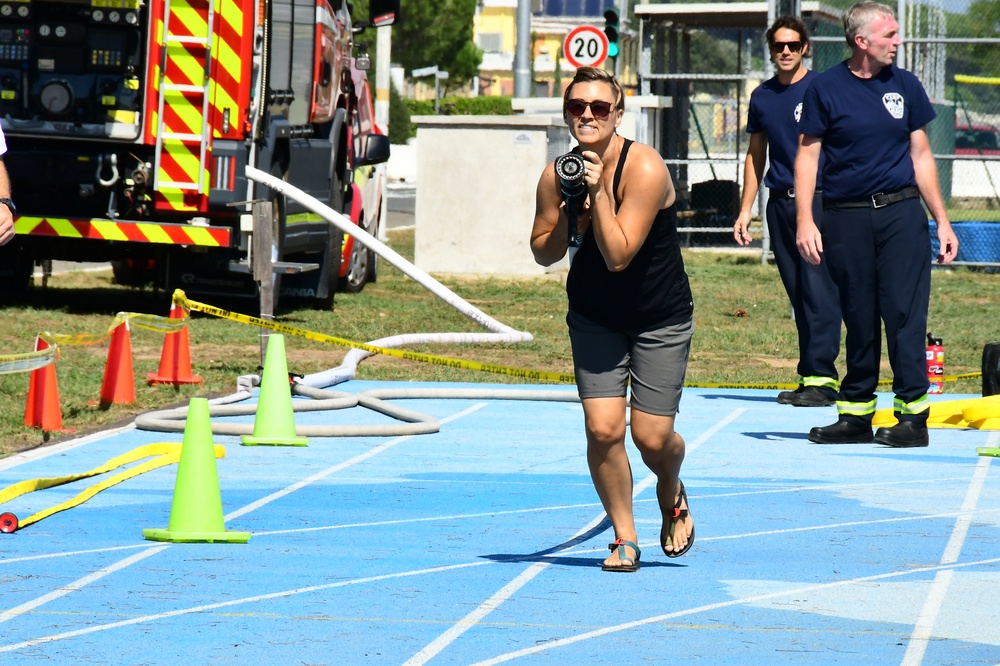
<point x="918" y="406"/>
<point x="856" y="408"/>
<point x="821" y="382"/>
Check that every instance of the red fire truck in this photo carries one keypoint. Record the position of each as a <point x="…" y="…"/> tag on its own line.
<point x="130" y="124"/>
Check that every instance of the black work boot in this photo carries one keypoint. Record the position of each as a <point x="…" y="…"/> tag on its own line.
<point x="847" y="430"/>
<point x="786" y="397"/>
<point x="903" y="435"/>
<point x="813" y="396"/>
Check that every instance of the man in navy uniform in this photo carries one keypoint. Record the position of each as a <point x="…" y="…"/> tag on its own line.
<point x="772" y="122"/>
<point x="869" y="118"/>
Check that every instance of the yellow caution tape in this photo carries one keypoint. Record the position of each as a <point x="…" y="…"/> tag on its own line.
<point x="27" y="362"/>
<point x="765" y="387"/>
<point x="182" y="300"/>
<point x="978" y="413"/>
<point x="10" y="363"/>
<point x="523" y="373"/>
<point x="166" y="454"/>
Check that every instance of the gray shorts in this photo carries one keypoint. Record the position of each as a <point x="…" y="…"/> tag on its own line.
<point x="605" y="360"/>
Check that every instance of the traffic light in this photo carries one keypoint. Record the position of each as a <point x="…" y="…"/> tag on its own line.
<point x="611" y="22"/>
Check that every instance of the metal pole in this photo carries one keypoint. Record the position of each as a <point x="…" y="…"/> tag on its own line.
<point x="522" y="68"/>
<point x="901" y="19"/>
<point x="263" y="269"/>
<point x="383" y="63"/>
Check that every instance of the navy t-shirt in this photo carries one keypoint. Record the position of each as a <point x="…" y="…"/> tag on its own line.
<point x="775" y="110"/>
<point x="865" y="125"/>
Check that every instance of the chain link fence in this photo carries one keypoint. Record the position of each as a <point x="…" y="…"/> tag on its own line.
<point x="710" y="64"/>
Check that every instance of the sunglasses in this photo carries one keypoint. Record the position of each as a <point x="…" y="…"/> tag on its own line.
<point x="576" y="107"/>
<point x="779" y="47"/>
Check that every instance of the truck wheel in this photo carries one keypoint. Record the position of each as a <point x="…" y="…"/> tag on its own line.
<point x="134" y="272"/>
<point x="334" y="246"/>
<point x="360" y="267"/>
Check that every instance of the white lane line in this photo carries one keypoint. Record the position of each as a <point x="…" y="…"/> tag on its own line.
<point x="507" y="591"/>
<point x="923" y="630"/>
<point x="135" y="558"/>
<point x="473" y="618"/>
<point x="46" y="451"/>
<point x="232" y="602"/>
<point x="78" y="584"/>
<point x="71" y="553"/>
<point x="381" y="448"/>
<point x="597" y="633"/>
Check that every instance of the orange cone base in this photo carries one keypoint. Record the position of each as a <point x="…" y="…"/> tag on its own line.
<point x="154" y="378"/>
<point x="226" y="536"/>
<point x="250" y="440"/>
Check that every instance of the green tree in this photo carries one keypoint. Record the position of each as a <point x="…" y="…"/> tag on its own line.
<point x="985" y="18"/>
<point x="437" y="32"/>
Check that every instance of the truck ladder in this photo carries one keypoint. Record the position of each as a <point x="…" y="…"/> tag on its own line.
<point x="181" y="100"/>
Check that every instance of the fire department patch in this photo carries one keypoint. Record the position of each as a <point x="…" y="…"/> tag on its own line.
<point x="894" y="104"/>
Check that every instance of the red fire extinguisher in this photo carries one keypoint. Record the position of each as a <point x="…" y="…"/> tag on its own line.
<point x="935" y="364"/>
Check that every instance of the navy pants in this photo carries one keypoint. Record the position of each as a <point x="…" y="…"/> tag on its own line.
<point x="811" y="290"/>
<point x="879" y="258"/>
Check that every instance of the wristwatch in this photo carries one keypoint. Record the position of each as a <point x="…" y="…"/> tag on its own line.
<point x="10" y="204"/>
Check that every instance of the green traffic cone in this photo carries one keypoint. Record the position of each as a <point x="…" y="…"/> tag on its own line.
<point x="274" y="423"/>
<point x="196" y="513"/>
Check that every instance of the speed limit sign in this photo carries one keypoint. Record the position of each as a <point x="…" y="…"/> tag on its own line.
<point x="586" y="46"/>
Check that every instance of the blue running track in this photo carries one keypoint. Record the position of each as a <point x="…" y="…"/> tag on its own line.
<point x="482" y="544"/>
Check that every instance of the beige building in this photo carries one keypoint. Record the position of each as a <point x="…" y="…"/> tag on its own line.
<point x="496" y="35"/>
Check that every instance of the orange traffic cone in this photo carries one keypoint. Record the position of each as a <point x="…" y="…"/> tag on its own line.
<point x="175" y="361"/>
<point x="119" y="381"/>
<point x="43" y="410"/>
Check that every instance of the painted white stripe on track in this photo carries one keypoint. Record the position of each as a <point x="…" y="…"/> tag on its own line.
<point x="71" y="553"/>
<point x="46" y="451"/>
<point x="78" y="584"/>
<point x="233" y="602"/>
<point x="381" y="448"/>
<point x="923" y="630"/>
<point x="597" y="633"/>
<point x="505" y="593"/>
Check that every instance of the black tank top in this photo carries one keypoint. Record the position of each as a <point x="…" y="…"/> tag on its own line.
<point x="652" y="291"/>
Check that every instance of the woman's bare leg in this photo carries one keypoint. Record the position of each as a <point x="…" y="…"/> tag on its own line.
<point x="609" y="467"/>
<point x="662" y="451"/>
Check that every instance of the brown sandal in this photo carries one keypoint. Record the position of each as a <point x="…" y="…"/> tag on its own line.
<point x="679" y="514"/>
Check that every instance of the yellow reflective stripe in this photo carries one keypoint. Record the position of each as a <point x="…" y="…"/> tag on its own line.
<point x="64" y="228"/>
<point x="27" y="225"/>
<point x="189" y="114"/>
<point x="202" y="236"/>
<point x="228" y="59"/>
<point x="918" y="406"/>
<point x="175" y="198"/>
<point x="821" y="382"/>
<point x="192" y="18"/>
<point x="856" y="408"/>
<point x="108" y="230"/>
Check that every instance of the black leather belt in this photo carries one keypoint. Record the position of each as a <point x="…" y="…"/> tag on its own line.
<point x="784" y="194"/>
<point x="879" y="200"/>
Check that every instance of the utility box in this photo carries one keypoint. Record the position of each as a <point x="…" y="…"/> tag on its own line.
<point x="477" y="178"/>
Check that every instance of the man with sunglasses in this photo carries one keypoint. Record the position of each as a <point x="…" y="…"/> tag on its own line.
<point x="772" y="123"/>
<point x="868" y="120"/>
<point x="630" y="310"/>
